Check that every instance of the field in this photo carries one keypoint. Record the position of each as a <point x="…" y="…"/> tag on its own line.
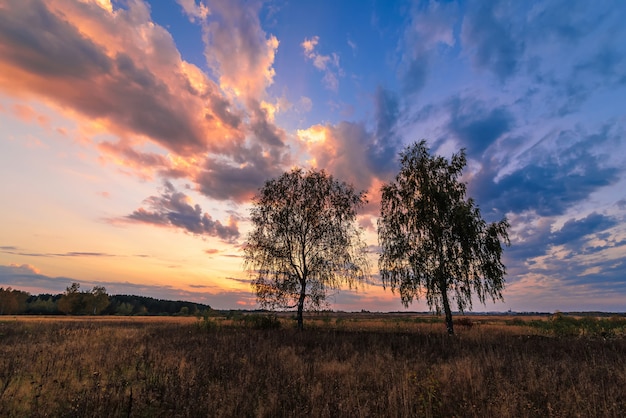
<point x="341" y="365"/>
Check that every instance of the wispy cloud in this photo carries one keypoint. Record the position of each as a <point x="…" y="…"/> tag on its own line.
<point x="18" y="251"/>
<point x="328" y="64"/>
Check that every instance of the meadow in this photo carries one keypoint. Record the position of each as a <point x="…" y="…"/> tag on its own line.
<point x="341" y="365"/>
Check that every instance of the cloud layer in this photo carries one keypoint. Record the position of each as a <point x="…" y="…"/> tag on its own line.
<point x="533" y="91"/>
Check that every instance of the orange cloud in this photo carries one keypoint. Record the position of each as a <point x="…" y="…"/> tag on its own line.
<point x="115" y="67"/>
<point x="114" y="71"/>
<point x="28" y="114"/>
<point x="238" y="50"/>
<point x="342" y="150"/>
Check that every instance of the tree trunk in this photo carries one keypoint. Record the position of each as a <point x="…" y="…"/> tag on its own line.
<point x="446" y="308"/>
<point x="301" y="306"/>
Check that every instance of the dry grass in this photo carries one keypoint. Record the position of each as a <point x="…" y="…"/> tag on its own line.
<point x="341" y="366"/>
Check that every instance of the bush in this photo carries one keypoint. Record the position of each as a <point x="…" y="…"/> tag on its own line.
<point x="260" y="321"/>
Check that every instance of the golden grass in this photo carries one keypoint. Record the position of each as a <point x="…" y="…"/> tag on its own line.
<point x="341" y="366"/>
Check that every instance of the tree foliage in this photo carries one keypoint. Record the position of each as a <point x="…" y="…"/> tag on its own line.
<point x="305" y="240"/>
<point x="434" y="241"/>
<point x="12" y="301"/>
<point x="75" y="302"/>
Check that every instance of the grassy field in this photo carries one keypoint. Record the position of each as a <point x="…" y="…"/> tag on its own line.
<point x="342" y="365"/>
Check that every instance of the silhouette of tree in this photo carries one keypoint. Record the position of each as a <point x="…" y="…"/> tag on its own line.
<point x="434" y="240"/>
<point x="305" y="240"/>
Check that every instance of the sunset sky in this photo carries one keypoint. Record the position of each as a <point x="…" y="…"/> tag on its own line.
<point x="133" y="135"/>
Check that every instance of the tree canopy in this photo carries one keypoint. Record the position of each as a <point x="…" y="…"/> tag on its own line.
<point x="434" y="240"/>
<point x="305" y="240"/>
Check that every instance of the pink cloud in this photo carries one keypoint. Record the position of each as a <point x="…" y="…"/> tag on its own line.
<point x="117" y="72"/>
<point x="28" y="114"/>
<point x="238" y="51"/>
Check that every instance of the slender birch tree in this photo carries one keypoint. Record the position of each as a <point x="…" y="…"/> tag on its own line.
<point x="305" y="240"/>
<point x="434" y="240"/>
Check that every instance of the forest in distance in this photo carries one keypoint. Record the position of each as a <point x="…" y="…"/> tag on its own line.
<point x="97" y="302"/>
<point x="93" y="302"/>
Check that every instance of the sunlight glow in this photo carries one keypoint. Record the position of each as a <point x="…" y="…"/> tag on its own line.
<point x="314" y="134"/>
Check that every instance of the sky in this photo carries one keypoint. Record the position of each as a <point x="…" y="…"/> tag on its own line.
<point x="134" y="134"/>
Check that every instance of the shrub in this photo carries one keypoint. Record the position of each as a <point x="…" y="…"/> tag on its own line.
<point x="260" y="321"/>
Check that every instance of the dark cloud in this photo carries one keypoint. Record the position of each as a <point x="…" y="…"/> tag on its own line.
<point x="574" y="236"/>
<point x="240" y="177"/>
<point x="548" y="182"/>
<point x="358" y="155"/>
<point x="172" y="209"/>
<point x="222" y="180"/>
<point x="416" y="75"/>
<point x="349" y="153"/>
<point x="491" y="42"/>
<point x="264" y="130"/>
<point x="222" y="108"/>
<point x="240" y="280"/>
<point x="430" y="30"/>
<point x="33" y="38"/>
<point x="476" y="126"/>
<point x="574" y="230"/>
<point x="385" y="144"/>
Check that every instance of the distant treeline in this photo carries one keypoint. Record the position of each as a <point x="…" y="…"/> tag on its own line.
<point x="94" y="302"/>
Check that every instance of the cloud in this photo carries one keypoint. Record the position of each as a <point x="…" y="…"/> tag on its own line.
<point x="387" y="143"/>
<point x="262" y="127"/>
<point x="564" y="21"/>
<point x="27" y="277"/>
<point x="430" y="27"/>
<point x="113" y="67"/>
<point x="172" y="209"/>
<point x="238" y="50"/>
<point x="239" y="180"/>
<point x="28" y="114"/>
<point x="18" y="251"/>
<point x="195" y="11"/>
<point x="328" y="64"/>
<point x="416" y="74"/>
<point x="351" y="151"/>
<point x="341" y="150"/>
<point x="574" y="264"/>
<point x="117" y="72"/>
<point x="550" y="177"/>
<point x="574" y="230"/>
<point x="491" y="40"/>
<point x="476" y="125"/>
